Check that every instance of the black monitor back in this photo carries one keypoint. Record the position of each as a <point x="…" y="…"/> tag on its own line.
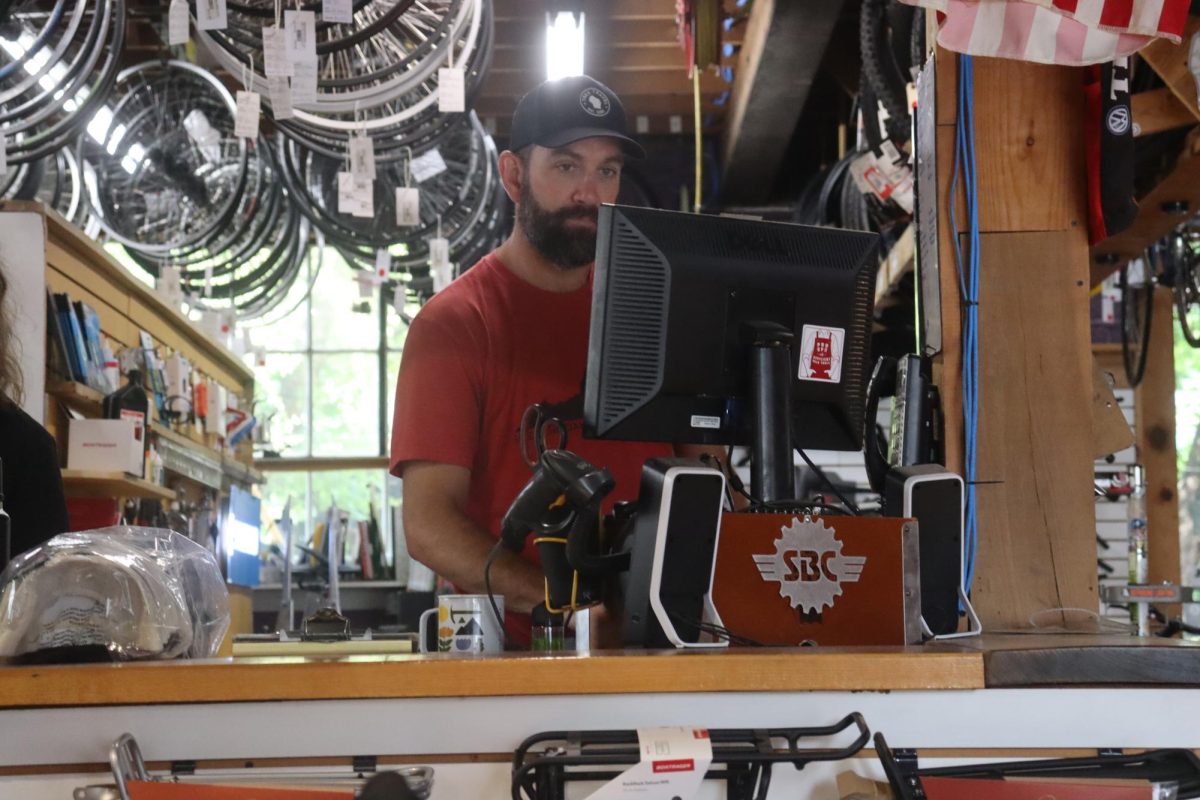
<point x="674" y="295"/>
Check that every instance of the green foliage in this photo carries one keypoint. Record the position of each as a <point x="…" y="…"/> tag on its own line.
<point x="1187" y="400"/>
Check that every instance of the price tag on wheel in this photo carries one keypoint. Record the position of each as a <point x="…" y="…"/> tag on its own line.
<point x="177" y="22"/>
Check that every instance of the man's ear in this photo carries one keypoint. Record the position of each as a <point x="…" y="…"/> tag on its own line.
<point x="512" y="174"/>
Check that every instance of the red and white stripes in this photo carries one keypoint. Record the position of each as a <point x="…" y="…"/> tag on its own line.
<point x="1067" y="32"/>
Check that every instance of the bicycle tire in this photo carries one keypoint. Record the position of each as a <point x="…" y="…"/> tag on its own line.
<point x="1187" y="300"/>
<point x="880" y="70"/>
<point x="1137" y="311"/>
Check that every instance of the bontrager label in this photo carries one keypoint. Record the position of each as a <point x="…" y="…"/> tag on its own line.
<point x="700" y="421"/>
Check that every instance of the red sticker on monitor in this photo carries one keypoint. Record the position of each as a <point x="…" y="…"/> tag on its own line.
<point x="821" y="351"/>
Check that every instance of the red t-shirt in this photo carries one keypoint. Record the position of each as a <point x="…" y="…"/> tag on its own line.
<point x="476" y="356"/>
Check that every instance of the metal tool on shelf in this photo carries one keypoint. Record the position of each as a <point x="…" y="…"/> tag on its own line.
<point x="128" y="766"/>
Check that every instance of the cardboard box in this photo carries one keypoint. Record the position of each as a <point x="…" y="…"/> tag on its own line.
<point x="852" y="786"/>
<point x="1029" y="788"/>
<point x="104" y="445"/>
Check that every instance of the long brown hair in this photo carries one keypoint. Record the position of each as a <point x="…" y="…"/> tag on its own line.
<point x="11" y="382"/>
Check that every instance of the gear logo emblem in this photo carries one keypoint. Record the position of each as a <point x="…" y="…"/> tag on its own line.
<point x="809" y="565"/>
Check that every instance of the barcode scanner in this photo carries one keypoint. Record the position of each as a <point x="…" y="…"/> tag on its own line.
<point x="560" y="505"/>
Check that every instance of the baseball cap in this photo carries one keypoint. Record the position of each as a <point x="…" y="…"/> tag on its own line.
<point x="566" y="110"/>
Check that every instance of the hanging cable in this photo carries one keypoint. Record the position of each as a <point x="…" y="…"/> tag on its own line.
<point x="968" y="279"/>
<point x="699" y="133"/>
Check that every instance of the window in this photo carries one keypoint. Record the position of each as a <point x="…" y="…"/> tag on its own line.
<point x="325" y="394"/>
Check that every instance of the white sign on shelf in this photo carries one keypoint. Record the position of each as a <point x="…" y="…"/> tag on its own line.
<point x="672" y="763"/>
<point x="427" y="165"/>
<point x="249" y="107"/>
<point x="304" y="84"/>
<point x="280" y="93"/>
<point x="408" y="206"/>
<point x="301" y="29"/>
<point x="211" y="15"/>
<point x="339" y="11"/>
<point x="177" y="22"/>
<point x="275" y="52"/>
<point x="356" y="198"/>
<point x="362" y="156"/>
<point x="452" y="90"/>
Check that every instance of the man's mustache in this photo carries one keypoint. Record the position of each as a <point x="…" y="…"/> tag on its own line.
<point x="578" y="212"/>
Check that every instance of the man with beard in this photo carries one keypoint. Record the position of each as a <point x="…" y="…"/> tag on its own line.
<point x="512" y="332"/>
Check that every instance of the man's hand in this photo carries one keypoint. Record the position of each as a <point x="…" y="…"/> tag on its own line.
<point x="441" y="536"/>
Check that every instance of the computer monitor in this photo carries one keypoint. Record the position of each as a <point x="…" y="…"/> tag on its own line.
<point x="709" y="329"/>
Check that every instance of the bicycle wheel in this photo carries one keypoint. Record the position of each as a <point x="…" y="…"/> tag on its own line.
<point x="1187" y="295"/>
<point x="1137" y="305"/>
<point x="165" y="174"/>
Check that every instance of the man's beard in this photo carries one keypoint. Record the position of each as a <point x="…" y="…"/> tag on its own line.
<point x="563" y="246"/>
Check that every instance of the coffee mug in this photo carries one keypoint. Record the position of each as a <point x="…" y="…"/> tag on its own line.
<point x="465" y="624"/>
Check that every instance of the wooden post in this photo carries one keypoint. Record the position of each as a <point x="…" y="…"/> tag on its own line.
<point x="1154" y="401"/>
<point x="1036" y="518"/>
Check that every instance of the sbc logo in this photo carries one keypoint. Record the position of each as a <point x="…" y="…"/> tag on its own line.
<point x="809" y="565"/>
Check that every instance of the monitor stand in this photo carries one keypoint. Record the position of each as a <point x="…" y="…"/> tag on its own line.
<point x="772" y="476"/>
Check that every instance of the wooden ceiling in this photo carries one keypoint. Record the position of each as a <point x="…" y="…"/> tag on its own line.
<point x="630" y="45"/>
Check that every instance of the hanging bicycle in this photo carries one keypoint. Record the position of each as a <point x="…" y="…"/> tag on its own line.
<point x="1171" y="262"/>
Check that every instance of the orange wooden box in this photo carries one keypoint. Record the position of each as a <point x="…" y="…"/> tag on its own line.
<point x="783" y="579"/>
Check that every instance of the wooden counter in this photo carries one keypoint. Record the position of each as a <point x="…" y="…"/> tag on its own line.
<point x="518" y="674"/>
<point x="992" y="661"/>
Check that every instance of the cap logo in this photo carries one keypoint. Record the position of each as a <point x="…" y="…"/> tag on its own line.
<point x="594" y="102"/>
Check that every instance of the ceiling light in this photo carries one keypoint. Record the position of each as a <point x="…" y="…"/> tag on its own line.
<point x="564" y="44"/>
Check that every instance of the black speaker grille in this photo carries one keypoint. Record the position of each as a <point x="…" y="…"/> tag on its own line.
<point x="635" y="324"/>
<point x="858" y="356"/>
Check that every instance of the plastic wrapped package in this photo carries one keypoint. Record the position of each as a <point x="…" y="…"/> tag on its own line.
<point x="118" y="593"/>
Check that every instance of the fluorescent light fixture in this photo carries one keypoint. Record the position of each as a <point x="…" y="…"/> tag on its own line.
<point x="564" y="44"/>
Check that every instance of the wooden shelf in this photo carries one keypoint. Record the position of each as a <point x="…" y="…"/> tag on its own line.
<point x="183" y="440"/>
<point x="243" y="473"/>
<point x="94" y="483"/>
<point x="322" y="464"/>
<point x="232" y="468"/>
<point x="77" y="396"/>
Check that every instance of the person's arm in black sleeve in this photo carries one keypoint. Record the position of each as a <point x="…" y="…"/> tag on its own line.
<point x="33" y="488"/>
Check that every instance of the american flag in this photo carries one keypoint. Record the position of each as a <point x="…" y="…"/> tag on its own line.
<point x="1066" y="32"/>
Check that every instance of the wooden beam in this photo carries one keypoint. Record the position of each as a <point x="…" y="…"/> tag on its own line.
<point x="610" y="58"/>
<point x="1034" y="470"/>
<point x="321" y="464"/>
<point x="1158" y="110"/>
<point x="1170" y="62"/>
<point x="523" y="9"/>
<point x="656" y="125"/>
<point x="785" y="41"/>
<point x="662" y="105"/>
<point x="1154" y="410"/>
<point x="598" y="31"/>
<point x="1110" y="431"/>
<point x="1035" y="509"/>
<point x="1156" y="216"/>
<point x="672" y="80"/>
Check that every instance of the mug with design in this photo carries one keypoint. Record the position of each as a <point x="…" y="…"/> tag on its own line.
<point x="465" y="624"/>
